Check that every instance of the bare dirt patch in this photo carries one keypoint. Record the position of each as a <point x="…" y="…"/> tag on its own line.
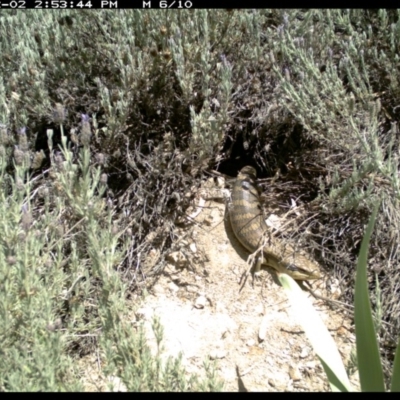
<point x="253" y="334"/>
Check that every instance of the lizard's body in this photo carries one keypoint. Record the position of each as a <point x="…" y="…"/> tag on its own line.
<point x="250" y="229"/>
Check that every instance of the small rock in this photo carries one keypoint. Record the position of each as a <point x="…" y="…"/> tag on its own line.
<point x="170" y="270"/>
<point x="144" y="313"/>
<point x="335" y="289"/>
<point x="294" y="373"/>
<point x="262" y="331"/>
<point x="250" y="343"/>
<point x="274" y="222"/>
<point x="220" y="182"/>
<point x="341" y="331"/>
<point x="311" y="365"/>
<point x="278" y="384"/>
<point x="193" y="247"/>
<point x="217" y="354"/>
<point x="173" y="287"/>
<point x="212" y="217"/>
<point x="200" y="302"/>
<point x="158" y="289"/>
<point x="304" y="352"/>
<point x="192" y="289"/>
<point x="177" y="258"/>
<point x="271" y="382"/>
<point x="117" y="384"/>
<point x="153" y="253"/>
<point x="151" y="236"/>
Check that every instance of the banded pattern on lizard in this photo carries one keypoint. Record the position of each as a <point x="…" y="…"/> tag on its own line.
<point x="250" y="229"/>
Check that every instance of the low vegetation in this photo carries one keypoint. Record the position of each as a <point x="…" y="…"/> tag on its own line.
<point x="108" y="121"/>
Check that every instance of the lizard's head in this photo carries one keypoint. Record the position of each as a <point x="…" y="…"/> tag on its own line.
<point x="248" y="172"/>
<point x="300" y="268"/>
<point x="303" y="273"/>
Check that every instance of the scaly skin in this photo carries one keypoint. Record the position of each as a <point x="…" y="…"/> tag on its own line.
<point x="251" y="230"/>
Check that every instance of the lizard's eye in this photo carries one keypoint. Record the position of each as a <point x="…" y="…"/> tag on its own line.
<point x="310" y="274"/>
<point x="293" y="267"/>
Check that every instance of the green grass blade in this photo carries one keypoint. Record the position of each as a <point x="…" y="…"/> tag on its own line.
<point x="368" y="357"/>
<point x="395" y="384"/>
<point x="318" y="335"/>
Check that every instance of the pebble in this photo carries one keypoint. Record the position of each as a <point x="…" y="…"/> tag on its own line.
<point x="200" y="302"/>
<point x="217" y="354"/>
<point x="294" y="373"/>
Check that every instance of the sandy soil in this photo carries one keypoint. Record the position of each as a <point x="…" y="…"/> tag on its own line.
<point x="253" y="333"/>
